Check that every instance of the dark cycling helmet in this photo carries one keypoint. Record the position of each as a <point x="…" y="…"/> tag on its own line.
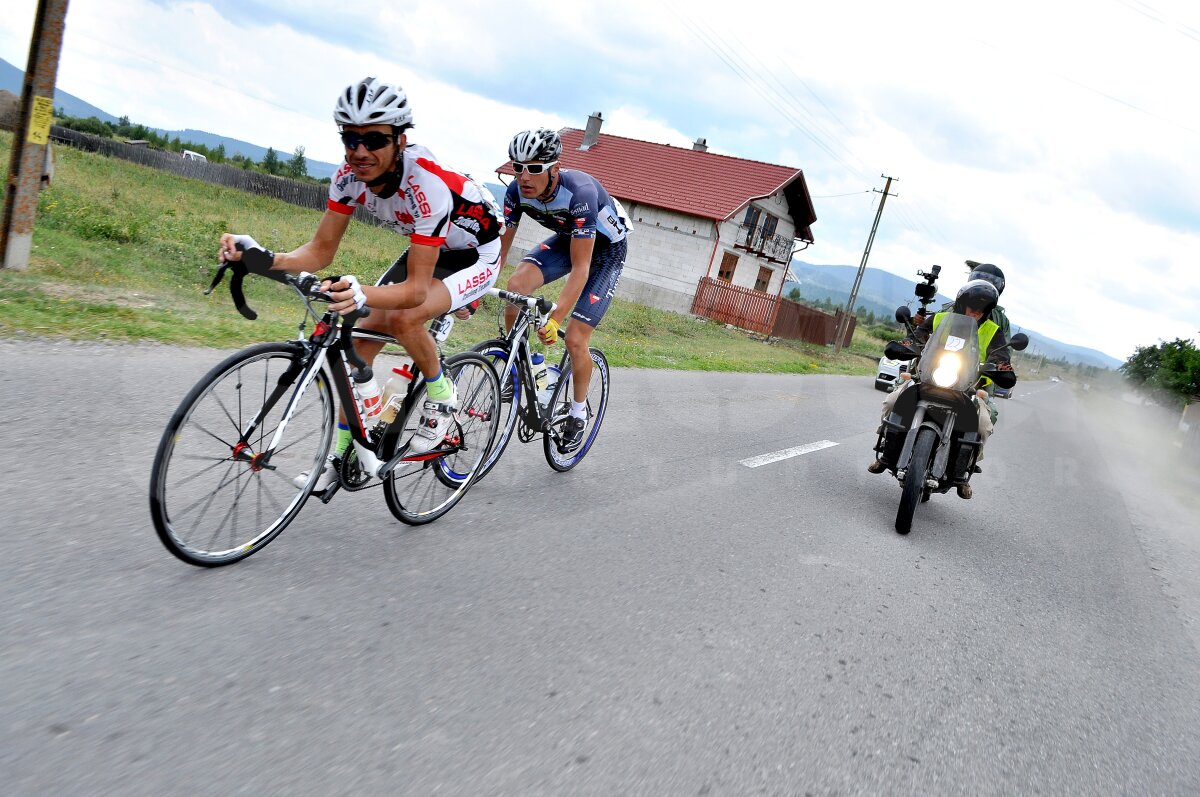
<point x="535" y="145"/>
<point x="977" y="295"/>
<point x="372" y="102"/>
<point x="986" y="271"/>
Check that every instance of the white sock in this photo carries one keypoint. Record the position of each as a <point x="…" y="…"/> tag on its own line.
<point x="578" y="409"/>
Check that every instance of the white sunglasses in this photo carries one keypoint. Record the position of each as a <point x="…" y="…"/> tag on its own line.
<point x="532" y="168"/>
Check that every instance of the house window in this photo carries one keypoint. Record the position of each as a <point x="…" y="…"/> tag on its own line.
<point x="769" y="226"/>
<point x="753" y="215"/>
<point x="728" y="264"/>
<point x="764" y="279"/>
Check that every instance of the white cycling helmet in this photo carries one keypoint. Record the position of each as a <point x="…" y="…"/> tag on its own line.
<point x="373" y="102"/>
<point x="535" y="145"/>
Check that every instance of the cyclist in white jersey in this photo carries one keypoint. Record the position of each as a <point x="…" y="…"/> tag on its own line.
<point x="453" y="225"/>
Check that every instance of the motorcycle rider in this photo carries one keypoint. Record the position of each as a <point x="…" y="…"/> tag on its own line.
<point x="977" y="298"/>
<point x="994" y="275"/>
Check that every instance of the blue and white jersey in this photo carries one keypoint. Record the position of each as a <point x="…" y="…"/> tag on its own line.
<point x="580" y="208"/>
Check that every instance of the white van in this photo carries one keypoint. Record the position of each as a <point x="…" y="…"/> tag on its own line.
<point x="188" y="155"/>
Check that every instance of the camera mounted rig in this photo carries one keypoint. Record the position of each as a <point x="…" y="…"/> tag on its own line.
<point x="927" y="289"/>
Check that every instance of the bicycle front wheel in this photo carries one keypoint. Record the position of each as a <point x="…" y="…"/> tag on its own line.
<point x="496" y="350"/>
<point x="560" y="455"/>
<point x="216" y="498"/>
<point x="424" y="487"/>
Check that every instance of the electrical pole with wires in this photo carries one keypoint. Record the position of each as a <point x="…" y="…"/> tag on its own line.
<point x="844" y="322"/>
<point x="32" y="136"/>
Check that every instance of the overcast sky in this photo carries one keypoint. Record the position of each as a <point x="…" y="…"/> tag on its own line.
<point x="1059" y="140"/>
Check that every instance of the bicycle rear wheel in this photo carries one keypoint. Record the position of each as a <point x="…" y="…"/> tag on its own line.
<point x="424" y="487"/>
<point x="559" y="456"/>
<point x="215" y="501"/>
<point x="496" y="350"/>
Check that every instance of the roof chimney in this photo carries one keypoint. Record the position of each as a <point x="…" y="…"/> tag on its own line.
<point x="700" y="145"/>
<point x="592" y="134"/>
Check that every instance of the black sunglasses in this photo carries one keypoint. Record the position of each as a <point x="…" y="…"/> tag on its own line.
<point x="372" y="141"/>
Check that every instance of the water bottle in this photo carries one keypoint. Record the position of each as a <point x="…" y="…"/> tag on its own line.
<point x="394" y="392"/>
<point x="441" y="328"/>
<point x="539" y="371"/>
<point x="370" y="397"/>
<point x="545" y="393"/>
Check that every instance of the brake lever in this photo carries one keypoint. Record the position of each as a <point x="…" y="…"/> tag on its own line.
<point x="235" y="286"/>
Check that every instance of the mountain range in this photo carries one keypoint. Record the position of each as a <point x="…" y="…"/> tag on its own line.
<point x="12" y="78"/>
<point x="881" y="292"/>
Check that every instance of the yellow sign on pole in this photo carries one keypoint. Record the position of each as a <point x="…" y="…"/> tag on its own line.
<point x="39" y="122"/>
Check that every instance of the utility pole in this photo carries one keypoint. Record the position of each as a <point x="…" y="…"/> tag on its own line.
<point x="844" y="324"/>
<point x="32" y="134"/>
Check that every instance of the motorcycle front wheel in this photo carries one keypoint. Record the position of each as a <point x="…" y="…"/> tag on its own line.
<point x="914" y="479"/>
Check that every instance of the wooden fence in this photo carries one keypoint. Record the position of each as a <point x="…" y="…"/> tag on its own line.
<point x="765" y="314"/>
<point x="295" y="192"/>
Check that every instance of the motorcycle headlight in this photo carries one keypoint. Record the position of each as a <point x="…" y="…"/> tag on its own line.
<point x="948" y="368"/>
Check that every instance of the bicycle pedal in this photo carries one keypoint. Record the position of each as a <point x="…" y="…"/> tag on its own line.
<point x="329" y="492"/>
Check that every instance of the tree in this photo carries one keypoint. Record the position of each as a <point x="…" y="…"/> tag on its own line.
<point x="297" y="167"/>
<point x="1172" y="369"/>
<point x="794" y="295"/>
<point x="270" y="162"/>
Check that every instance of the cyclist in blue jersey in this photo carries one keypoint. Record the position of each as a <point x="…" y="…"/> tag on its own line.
<point x="588" y="248"/>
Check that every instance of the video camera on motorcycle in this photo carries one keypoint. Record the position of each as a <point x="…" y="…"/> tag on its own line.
<point x="927" y="289"/>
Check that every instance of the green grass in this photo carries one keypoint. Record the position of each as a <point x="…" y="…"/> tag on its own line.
<point x="124" y="252"/>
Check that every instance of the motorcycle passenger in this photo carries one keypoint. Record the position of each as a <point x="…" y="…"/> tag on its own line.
<point x="453" y="226"/>
<point x="976" y="299"/>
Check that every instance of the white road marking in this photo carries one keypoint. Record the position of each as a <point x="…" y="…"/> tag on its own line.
<point x="775" y="456"/>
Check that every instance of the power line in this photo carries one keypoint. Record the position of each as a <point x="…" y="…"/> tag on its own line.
<point x="747" y="75"/>
<point x="835" y="196"/>
<point x="1154" y="14"/>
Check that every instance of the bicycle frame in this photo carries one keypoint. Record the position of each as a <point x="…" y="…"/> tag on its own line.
<point x="327" y="334"/>
<point x="529" y="310"/>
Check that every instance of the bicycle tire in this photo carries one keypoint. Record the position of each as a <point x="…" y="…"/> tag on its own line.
<point x="560" y="404"/>
<point x="423" y="489"/>
<point x="914" y="479"/>
<point x="496" y="350"/>
<point x="230" y="522"/>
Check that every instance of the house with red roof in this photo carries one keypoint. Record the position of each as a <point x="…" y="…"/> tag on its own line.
<point x="694" y="214"/>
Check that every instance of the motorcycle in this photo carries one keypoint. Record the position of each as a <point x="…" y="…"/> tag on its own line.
<point x="930" y="441"/>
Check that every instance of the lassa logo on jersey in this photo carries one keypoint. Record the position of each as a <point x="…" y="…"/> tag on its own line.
<point x="418" y="197"/>
<point x="482" y="218"/>
<point x="474" y="282"/>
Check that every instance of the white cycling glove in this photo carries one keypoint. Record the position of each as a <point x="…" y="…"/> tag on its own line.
<point x="360" y="298"/>
<point x="246" y="242"/>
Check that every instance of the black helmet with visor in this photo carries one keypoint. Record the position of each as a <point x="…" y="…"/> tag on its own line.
<point x="978" y="295"/>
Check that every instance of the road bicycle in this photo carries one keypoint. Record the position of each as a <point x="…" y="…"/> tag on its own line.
<point x="522" y="412"/>
<point x="227" y="476"/>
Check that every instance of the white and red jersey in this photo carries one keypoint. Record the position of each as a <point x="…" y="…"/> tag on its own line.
<point x="433" y="206"/>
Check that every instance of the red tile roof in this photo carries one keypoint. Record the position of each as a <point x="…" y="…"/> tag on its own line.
<point x="688" y="181"/>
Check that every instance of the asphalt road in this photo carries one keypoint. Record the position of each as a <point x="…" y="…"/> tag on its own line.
<point x="662" y="620"/>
